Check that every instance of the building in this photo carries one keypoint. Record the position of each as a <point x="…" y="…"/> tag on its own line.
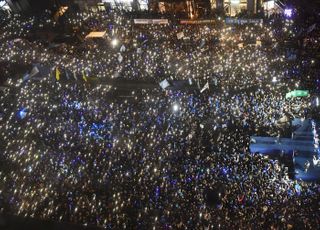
<point x="114" y="4"/>
<point x="234" y="7"/>
<point x="200" y="8"/>
<point x="184" y="8"/>
<point x="273" y="7"/>
<point x="294" y="151"/>
<point x="29" y="6"/>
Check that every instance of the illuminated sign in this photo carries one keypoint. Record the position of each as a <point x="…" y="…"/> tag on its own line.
<point x="235" y="2"/>
<point x="151" y="21"/>
<point x="288" y="13"/>
<point x="100" y="34"/>
<point x="196" y="21"/>
<point x="243" y="21"/>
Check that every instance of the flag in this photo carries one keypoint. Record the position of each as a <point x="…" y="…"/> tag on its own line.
<point x="258" y="43"/>
<point x="17" y="40"/>
<point x="3" y="89"/>
<point x="84" y="76"/>
<point x="311" y="28"/>
<point x="34" y="71"/>
<point x="180" y="35"/>
<point x="120" y="58"/>
<point x="206" y="86"/>
<point x="74" y="75"/>
<point x="202" y="43"/>
<point x="215" y="81"/>
<point x="57" y="74"/>
<point x="123" y="48"/>
<point x="297" y="93"/>
<point x="26" y="77"/>
<point x="164" y="84"/>
<point x="67" y="74"/>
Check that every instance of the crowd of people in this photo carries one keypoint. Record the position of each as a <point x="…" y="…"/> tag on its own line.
<point x="74" y="150"/>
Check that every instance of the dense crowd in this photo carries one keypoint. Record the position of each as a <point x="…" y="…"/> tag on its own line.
<point x="77" y="151"/>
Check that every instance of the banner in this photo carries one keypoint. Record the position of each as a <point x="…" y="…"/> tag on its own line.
<point x="206" y="86"/>
<point x="101" y="34"/>
<point x="242" y="21"/>
<point x="74" y="75"/>
<point x="34" y="71"/>
<point x="297" y="93"/>
<point x="197" y="22"/>
<point x="57" y="74"/>
<point x="120" y="58"/>
<point x="84" y="77"/>
<point x="123" y="48"/>
<point x="258" y="43"/>
<point x="164" y="84"/>
<point x="311" y="28"/>
<point x="150" y="21"/>
<point x="180" y="35"/>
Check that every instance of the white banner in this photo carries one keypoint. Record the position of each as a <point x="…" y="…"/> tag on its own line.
<point x="151" y="21"/>
<point x="34" y="71"/>
<point x="206" y="86"/>
<point x="120" y="58"/>
<point x="243" y="21"/>
<point x="164" y="84"/>
<point x="180" y="35"/>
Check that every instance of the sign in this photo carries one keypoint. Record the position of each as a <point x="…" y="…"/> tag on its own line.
<point x="180" y="35"/>
<point x="60" y="12"/>
<point x="150" y="21"/>
<point x="197" y="21"/>
<point x="242" y="21"/>
<point x="258" y="43"/>
<point x="100" y="34"/>
<point x="311" y="28"/>
<point x="206" y="86"/>
<point x="297" y="93"/>
<point x="164" y="84"/>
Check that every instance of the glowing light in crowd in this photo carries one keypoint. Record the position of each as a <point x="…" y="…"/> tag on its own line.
<point x="288" y="13"/>
<point x="22" y="113"/>
<point x="235" y="1"/>
<point x="85" y="157"/>
<point x="114" y="42"/>
<point x="175" y="107"/>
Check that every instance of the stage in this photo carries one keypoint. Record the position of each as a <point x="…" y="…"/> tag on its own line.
<point x="294" y="152"/>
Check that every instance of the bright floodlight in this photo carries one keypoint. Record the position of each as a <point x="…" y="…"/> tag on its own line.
<point x="114" y="42"/>
<point x="235" y="1"/>
<point x="288" y="13"/>
<point x="175" y="107"/>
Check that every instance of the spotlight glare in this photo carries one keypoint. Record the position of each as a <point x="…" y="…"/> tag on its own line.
<point x="114" y="42"/>
<point x="175" y="107"/>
